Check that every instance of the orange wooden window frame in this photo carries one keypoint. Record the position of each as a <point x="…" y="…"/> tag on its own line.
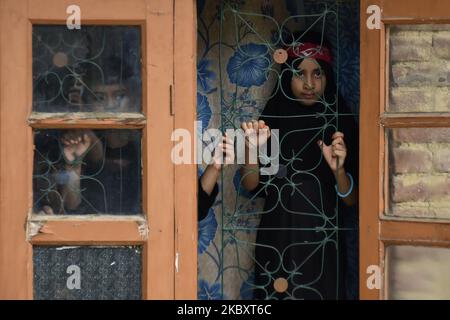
<point x="376" y="230"/>
<point x="171" y="220"/>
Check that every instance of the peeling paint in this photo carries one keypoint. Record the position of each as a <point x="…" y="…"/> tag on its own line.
<point x="67" y="248"/>
<point x="37" y="227"/>
<point x="143" y="229"/>
<point x="33" y="228"/>
<point x="46" y="229"/>
<point x="71" y="117"/>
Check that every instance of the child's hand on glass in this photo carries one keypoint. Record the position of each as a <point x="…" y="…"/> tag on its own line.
<point x="75" y="144"/>
<point x="335" y="153"/>
<point x="47" y="210"/>
<point x="256" y="133"/>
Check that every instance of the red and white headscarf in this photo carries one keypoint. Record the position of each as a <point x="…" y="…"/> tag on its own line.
<point x="309" y="50"/>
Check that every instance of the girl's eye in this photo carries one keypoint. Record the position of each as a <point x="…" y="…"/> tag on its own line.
<point x="120" y="96"/>
<point x="318" y="73"/>
<point x="99" y="97"/>
<point x="299" y="74"/>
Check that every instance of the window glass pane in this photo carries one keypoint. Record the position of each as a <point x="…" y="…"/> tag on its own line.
<point x="86" y="171"/>
<point x="419" y="172"/>
<point x="94" y="69"/>
<point x="87" y="273"/>
<point x="418" y="272"/>
<point x="419" y="68"/>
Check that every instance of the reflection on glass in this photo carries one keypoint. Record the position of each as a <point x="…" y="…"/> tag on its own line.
<point x="418" y="68"/>
<point x="95" y="69"/>
<point x="419" y="172"/>
<point x="418" y="273"/>
<point x="86" y="171"/>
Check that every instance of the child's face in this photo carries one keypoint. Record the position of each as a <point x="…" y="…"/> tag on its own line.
<point x="308" y="84"/>
<point x="111" y="98"/>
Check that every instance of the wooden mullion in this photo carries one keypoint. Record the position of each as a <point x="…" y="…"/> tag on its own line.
<point x="369" y="152"/>
<point x="430" y="233"/>
<point x="158" y="179"/>
<point x="415" y="120"/>
<point x="415" y="20"/>
<point x="415" y="12"/>
<point x="116" y="12"/>
<point x="185" y="187"/>
<point x="87" y="230"/>
<point x="104" y="120"/>
<point x="16" y="268"/>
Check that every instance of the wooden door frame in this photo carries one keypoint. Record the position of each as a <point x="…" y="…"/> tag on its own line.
<point x="185" y="109"/>
<point x="16" y="235"/>
<point x="376" y="230"/>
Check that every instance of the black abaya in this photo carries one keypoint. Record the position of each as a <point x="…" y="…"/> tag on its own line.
<point x="299" y="240"/>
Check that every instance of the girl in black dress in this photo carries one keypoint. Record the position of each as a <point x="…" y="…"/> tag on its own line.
<point x="300" y="250"/>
